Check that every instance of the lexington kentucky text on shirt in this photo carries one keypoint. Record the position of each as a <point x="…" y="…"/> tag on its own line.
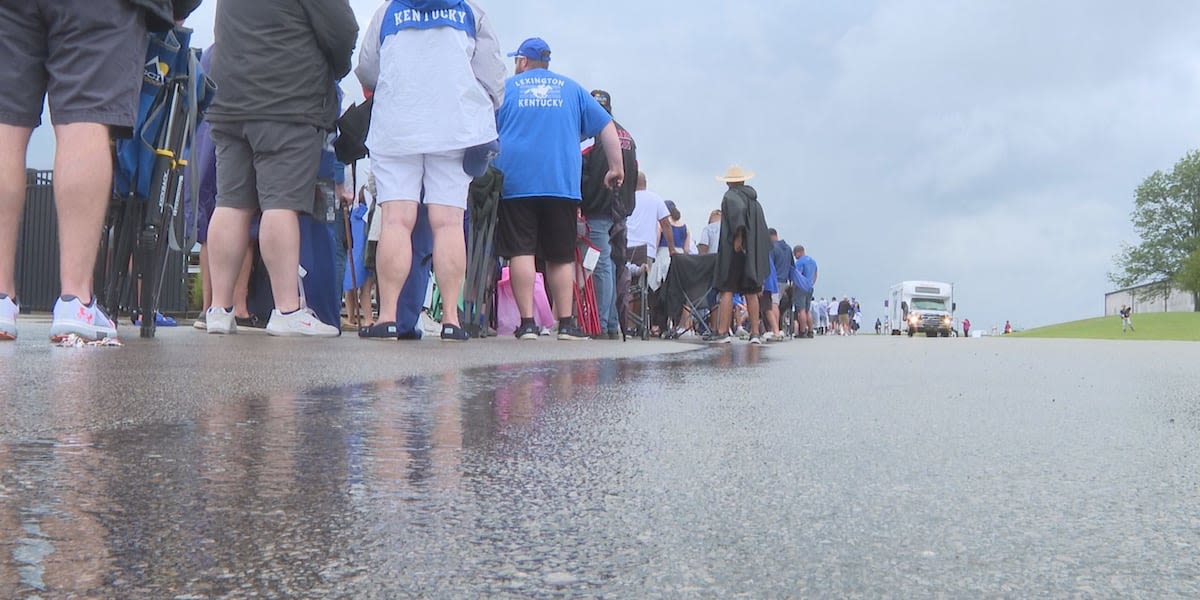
<point x="540" y="92"/>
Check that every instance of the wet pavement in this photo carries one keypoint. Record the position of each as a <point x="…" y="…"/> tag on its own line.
<point x="869" y="467"/>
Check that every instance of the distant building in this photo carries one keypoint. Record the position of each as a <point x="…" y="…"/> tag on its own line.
<point x="1176" y="300"/>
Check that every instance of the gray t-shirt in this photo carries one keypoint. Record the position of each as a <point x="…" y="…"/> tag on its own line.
<point x="710" y="236"/>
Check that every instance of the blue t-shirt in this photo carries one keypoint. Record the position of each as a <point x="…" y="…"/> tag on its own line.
<point x="804" y="272"/>
<point x="542" y="121"/>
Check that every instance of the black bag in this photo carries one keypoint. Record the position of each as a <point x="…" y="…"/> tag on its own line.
<point x="351" y="142"/>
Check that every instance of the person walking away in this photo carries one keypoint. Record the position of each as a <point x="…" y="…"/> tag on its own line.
<point x="435" y="70"/>
<point x="1126" y="319"/>
<point x="88" y="58"/>
<point x="844" y="310"/>
<point x="804" y="280"/>
<point x="743" y="259"/>
<point x="275" y="67"/>
<point x="607" y="212"/>
<point x="543" y="117"/>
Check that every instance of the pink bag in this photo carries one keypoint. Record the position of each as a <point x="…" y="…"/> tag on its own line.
<point x="508" y="317"/>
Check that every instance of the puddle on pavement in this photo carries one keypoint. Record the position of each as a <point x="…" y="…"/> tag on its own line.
<point x="483" y="481"/>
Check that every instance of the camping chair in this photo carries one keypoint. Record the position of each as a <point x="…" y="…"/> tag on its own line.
<point x="479" y="289"/>
<point x="689" y="287"/>
<point x="639" y="292"/>
<point x="146" y="221"/>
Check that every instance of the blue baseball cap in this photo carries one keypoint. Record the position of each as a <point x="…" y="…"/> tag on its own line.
<point x="533" y="49"/>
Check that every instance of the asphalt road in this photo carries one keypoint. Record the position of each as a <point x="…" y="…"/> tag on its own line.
<point x="193" y="467"/>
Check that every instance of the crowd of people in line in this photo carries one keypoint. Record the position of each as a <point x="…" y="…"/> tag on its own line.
<point x="444" y="109"/>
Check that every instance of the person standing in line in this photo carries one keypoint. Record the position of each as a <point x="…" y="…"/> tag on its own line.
<point x="542" y="119"/>
<point x="275" y="67"/>
<point x="607" y="218"/>
<point x="804" y="280"/>
<point x="677" y="236"/>
<point x="88" y="58"/>
<point x="743" y="260"/>
<point x="710" y="236"/>
<point x="435" y="70"/>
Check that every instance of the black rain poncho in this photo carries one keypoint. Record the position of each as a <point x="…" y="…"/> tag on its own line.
<point x="740" y="209"/>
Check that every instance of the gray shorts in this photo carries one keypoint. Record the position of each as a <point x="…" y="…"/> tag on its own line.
<point x="267" y="165"/>
<point x="87" y="55"/>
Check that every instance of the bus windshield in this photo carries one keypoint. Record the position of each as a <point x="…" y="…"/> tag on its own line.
<point x="929" y="304"/>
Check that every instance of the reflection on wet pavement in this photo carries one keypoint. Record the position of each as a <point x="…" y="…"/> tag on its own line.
<point x="520" y="479"/>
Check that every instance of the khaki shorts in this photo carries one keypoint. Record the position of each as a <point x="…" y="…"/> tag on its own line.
<point x="87" y="56"/>
<point x="266" y="165"/>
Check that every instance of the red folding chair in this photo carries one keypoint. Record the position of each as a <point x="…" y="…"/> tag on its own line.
<point x="586" y="256"/>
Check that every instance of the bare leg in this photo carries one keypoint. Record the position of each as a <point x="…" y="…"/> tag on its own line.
<point x="562" y="285"/>
<point x="241" y="290"/>
<point x="393" y="259"/>
<point x="13" y="143"/>
<point x="449" y="256"/>
<point x="228" y="237"/>
<point x="521" y="270"/>
<point x="724" y="313"/>
<point x="82" y="185"/>
<point x="752" y="308"/>
<point x="279" y="243"/>
<point x="352" y="310"/>
<point x="205" y="279"/>
<point x="365" y="307"/>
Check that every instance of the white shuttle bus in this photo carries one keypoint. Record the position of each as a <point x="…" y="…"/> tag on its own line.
<point x="921" y="307"/>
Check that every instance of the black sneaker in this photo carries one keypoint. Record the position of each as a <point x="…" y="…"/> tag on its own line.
<point x="252" y="322"/>
<point x="718" y="338"/>
<point x="380" y="331"/>
<point x="454" y="333"/>
<point x="527" y="332"/>
<point x="572" y="333"/>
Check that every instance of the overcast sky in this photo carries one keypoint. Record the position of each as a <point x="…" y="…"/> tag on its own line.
<point x="995" y="145"/>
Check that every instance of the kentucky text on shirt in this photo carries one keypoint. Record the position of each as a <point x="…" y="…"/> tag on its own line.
<point x="540" y="92"/>
<point x="417" y="16"/>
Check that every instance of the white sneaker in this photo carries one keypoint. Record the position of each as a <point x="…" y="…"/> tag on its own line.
<point x="220" y="321"/>
<point x="302" y="323"/>
<point x="200" y="323"/>
<point x="768" y="336"/>
<point x="754" y="340"/>
<point x="84" y="320"/>
<point x="8" y="318"/>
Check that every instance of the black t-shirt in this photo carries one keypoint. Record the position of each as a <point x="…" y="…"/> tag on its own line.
<point x="844" y="307"/>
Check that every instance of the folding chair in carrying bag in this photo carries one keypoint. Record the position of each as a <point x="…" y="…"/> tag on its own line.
<point x="586" y="256"/>
<point x="479" y="291"/>
<point x="145" y="225"/>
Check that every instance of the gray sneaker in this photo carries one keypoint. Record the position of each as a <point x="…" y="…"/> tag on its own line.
<point x="572" y="333"/>
<point x="220" y="321"/>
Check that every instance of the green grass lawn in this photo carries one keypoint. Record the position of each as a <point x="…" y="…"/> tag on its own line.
<point x="1150" y="326"/>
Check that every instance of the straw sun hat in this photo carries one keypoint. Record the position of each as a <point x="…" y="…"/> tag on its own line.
<point x="735" y="174"/>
